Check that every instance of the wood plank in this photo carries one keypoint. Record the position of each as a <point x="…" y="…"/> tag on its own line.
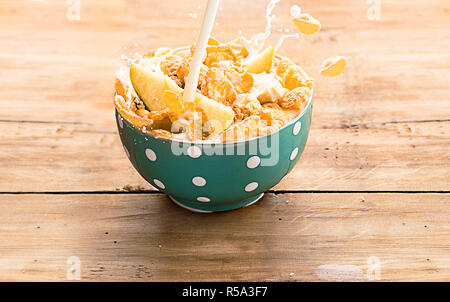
<point x="383" y="125"/>
<point x="398" y="67"/>
<point x="146" y="237"/>
<point x="370" y="157"/>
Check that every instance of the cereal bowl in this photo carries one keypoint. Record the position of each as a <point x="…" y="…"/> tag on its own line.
<point x="209" y="177"/>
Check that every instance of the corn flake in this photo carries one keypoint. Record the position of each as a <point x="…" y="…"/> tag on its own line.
<point x="183" y="71"/>
<point x="171" y="64"/>
<point x="333" y="66"/>
<point x="294" y="98"/>
<point x="306" y="24"/>
<point x="218" y="87"/>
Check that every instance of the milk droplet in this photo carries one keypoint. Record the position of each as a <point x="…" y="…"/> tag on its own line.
<point x="295" y="11"/>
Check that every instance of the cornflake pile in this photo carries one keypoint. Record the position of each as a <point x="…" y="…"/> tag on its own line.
<point x="240" y="95"/>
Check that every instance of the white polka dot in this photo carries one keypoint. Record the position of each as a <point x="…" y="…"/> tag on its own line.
<point x="251" y="186"/>
<point x="159" y="184"/>
<point x="194" y="151"/>
<point x="294" y="153"/>
<point x="203" y="199"/>
<point x="297" y="128"/>
<point x="119" y="118"/>
<point x="253" y="162"/>
<point x="126" y="151"/>
<point x="150" y="154"/>
<point x="199" y="181"/>
<point x="188" y="208"/>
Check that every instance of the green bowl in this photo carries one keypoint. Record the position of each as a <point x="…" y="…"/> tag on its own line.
<point x="211" y="177"/>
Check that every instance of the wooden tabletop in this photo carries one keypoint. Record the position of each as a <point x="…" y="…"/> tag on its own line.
<point x="369" y="199"/>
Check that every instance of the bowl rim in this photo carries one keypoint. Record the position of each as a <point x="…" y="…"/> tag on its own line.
<point x="193" y="143"/>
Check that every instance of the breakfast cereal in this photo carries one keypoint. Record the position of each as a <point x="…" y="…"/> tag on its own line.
<point x="240" y="95"/>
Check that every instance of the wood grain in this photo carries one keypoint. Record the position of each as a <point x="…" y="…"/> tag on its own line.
<point x="383" y="125"/>
<point x="147" y="237"/>
<point x="372" y="157"/>
<point x="374" y="180"/>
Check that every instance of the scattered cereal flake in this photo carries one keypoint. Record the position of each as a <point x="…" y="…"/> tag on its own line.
<point x="295" y="97"/>
<point x="289" y="74"/>
<point x="333" y="66"/>
<point x="218" y="87"/>
<point x="171" y="64"/>
<point x="306" y="24"/>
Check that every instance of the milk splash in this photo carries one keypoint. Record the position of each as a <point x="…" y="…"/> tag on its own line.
<point x="282" y="38"/>
<point x="257" y="41"/>
<point x="295" y="11"/>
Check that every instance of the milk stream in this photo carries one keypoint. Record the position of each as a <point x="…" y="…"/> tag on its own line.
<point x="200" y="50"/>
<point x="254" y="45"/>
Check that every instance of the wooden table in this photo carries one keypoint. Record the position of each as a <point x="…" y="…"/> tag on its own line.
<point x="369" y="199"/>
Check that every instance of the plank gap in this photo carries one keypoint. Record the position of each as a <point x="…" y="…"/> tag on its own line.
<point x="276" y="192"/>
